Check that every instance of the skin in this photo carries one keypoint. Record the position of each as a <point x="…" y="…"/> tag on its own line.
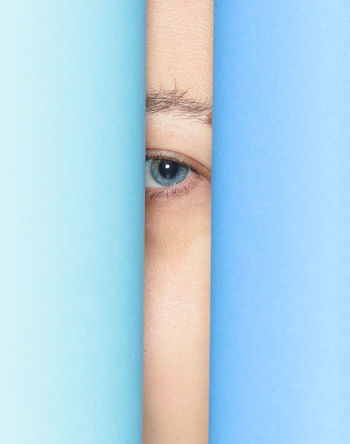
<point x="177" y="255"/>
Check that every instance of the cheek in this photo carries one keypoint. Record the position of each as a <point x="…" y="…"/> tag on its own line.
<point x="177" y="291"/>
<point x="177" y="270"/>
<point x="177" y="248"/>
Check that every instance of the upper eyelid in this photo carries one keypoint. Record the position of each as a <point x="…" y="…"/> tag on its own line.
<point x="173" y="158"/>
<point x="187" y="161"/>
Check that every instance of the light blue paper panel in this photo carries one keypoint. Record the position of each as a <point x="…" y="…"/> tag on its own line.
<point x="71" y="221"/>
<point x="280" y="343"/>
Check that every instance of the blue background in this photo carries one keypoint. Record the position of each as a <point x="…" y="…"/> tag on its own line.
<point x="72" y="94"/>
<point x="280" y="355"/>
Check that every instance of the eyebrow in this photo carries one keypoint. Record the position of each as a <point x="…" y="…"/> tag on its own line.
<point x="180" y="103"/>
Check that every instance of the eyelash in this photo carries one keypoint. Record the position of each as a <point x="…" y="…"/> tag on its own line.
<point x="178" y="189"/>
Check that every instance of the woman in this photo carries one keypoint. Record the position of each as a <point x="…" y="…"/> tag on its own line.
<point x="177" y="263"/>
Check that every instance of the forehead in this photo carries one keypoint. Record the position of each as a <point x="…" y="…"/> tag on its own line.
<point x="179" y="46"/>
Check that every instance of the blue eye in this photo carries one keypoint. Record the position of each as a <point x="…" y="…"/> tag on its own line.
<point x="165" y="172"/>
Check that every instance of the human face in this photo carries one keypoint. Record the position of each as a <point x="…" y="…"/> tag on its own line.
<point x="177" y="249"/>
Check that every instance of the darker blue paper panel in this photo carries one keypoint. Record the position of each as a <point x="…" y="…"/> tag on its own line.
<point x="280" y="313"/>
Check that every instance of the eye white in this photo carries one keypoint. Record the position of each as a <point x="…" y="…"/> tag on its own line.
<point x="149" y="180"/>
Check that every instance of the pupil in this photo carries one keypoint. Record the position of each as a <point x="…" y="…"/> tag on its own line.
<point x="168" y="169"/>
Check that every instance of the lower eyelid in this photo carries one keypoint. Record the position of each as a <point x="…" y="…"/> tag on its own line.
<point x="175" y="191"/>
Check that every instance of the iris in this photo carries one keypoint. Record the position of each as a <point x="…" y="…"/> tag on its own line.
<point x="164" y="172"/>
